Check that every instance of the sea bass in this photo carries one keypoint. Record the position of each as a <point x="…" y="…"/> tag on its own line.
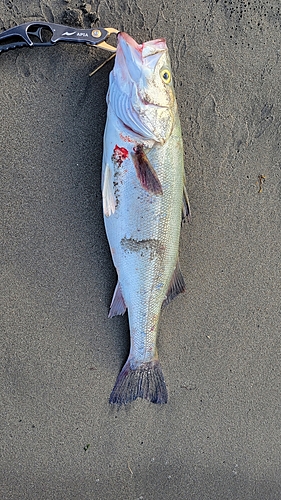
<point x="144" y="195"/>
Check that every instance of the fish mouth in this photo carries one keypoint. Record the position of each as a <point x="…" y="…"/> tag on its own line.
<point x="134" y="56"/>
<point x="124" y="38"/>
<point x="129" y="57"/>
<point x="144" y="49"/>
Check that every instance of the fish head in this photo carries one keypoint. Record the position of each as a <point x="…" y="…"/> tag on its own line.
<point x="143" y="73"/>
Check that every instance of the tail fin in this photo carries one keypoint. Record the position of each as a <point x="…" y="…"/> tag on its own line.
<point x="146" y="381"/>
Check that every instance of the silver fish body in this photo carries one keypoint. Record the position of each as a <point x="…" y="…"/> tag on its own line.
<point x="142" y="188"/>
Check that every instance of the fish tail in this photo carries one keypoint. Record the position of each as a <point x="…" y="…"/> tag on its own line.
<point x="146" y="381"/>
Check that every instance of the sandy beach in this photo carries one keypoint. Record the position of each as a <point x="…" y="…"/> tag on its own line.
<point x="219" y="436"/>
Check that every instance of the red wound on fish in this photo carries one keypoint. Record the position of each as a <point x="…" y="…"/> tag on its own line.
<point x="145" y="171"/>
<point x="120" y="154"/>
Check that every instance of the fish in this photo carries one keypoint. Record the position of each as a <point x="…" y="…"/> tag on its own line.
<point x="144" y="201"/>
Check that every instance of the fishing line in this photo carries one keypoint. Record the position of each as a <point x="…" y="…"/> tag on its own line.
<point x="101" y="65"/>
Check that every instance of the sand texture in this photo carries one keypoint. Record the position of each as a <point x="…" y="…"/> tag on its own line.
<point x="219" y="436"/>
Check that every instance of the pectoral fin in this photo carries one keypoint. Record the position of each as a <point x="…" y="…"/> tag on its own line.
<point x="145" y="171"/>
<point x="117" y="306"/>
<point x="108" y="197"/>
<point x="177" y="286"/>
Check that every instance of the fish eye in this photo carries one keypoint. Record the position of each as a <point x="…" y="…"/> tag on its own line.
<point x="165" y="76"/>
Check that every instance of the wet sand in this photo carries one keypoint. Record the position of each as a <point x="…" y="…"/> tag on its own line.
<point x="218" y="438"/>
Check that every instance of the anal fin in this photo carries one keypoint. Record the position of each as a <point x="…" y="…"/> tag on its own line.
<point x="177" y="286"/>
<point x="117" y="306"/>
